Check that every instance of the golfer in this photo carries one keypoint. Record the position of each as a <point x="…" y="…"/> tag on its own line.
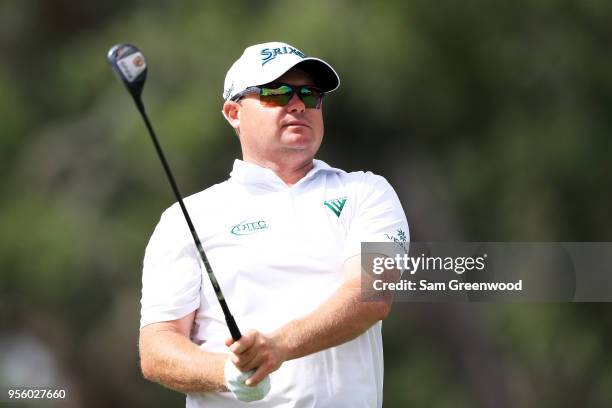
<point x="283" y="235"/>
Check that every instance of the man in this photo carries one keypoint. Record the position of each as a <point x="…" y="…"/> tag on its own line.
<point x="283" y="235"/>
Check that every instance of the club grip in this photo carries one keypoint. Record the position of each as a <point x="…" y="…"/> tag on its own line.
<point x="233" y="327"/>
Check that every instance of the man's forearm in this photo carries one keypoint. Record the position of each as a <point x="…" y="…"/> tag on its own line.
<point x="343" y="317"/>
<point x="171" y="359"/>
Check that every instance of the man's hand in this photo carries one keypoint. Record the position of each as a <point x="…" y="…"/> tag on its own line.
<point x="256" y="351"/>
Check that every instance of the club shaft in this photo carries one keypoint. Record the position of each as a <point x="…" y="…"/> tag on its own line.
<point x="229" y="319"/>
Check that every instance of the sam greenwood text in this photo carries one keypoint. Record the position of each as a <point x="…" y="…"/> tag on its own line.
<point x="455" y="285"/>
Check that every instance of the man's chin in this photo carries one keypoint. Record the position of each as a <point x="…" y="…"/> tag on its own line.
<point x="298" y="140"/>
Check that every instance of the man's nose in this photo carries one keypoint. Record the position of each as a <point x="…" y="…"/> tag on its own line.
<point x="295" y="104"/>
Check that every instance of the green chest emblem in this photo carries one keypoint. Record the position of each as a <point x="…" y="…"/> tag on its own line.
<point x="249" y="227"/>
<point x="336" y="205"/>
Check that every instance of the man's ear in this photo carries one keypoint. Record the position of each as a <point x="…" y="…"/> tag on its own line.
<point x="230" y="112"/>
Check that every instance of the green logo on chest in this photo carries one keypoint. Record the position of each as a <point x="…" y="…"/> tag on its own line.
<point x="336" y="205"/>
<point x="247" y="228"/>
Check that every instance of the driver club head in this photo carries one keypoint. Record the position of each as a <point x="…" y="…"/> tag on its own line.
<point x="130" y="66"/>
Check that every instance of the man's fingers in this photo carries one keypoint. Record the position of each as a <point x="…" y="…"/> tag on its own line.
<point x="245" y="342"/>
<point x="252" y="364"/>
<point x="259" y="375"/>
<point x="245" y="361"/>
<point x="240" y="346"/>
<point x="229" y="341"/>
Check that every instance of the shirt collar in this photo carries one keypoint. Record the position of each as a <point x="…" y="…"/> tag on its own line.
<point x="251" y="173"/>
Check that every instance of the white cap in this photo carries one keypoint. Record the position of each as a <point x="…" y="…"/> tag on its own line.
<point x="263" y="63"/>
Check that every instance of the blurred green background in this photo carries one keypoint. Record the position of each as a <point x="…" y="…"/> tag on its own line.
<point x="492" y="120"/>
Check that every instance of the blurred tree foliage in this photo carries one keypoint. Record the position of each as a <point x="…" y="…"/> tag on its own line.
<point x="491" y="119"/>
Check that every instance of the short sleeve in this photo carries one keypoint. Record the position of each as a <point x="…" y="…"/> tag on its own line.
<point x="171" y="276"/>
<point x="379" y="216"/>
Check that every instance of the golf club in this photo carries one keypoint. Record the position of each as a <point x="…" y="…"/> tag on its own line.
<point x="130" y="66"/>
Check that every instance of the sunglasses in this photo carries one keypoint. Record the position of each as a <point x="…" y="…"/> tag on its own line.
<point x="279" y="94"/>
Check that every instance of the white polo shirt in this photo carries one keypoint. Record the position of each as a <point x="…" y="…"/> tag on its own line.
<point x="278" y="253"/>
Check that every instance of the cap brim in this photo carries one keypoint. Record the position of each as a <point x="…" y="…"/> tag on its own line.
<point x="322" y="73"/>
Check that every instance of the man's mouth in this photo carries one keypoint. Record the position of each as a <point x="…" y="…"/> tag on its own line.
<point x="295" y="123"/>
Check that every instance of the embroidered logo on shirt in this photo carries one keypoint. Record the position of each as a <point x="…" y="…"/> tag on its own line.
<point x="336" y="205"/>
<point x="247" y="228"/>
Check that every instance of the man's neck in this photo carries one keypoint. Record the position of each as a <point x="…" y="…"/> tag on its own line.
<point x="289" y="172"/>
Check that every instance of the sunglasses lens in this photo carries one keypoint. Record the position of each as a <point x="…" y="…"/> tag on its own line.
<point x="279" y="96"/>
<point x="311" y="97"/>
